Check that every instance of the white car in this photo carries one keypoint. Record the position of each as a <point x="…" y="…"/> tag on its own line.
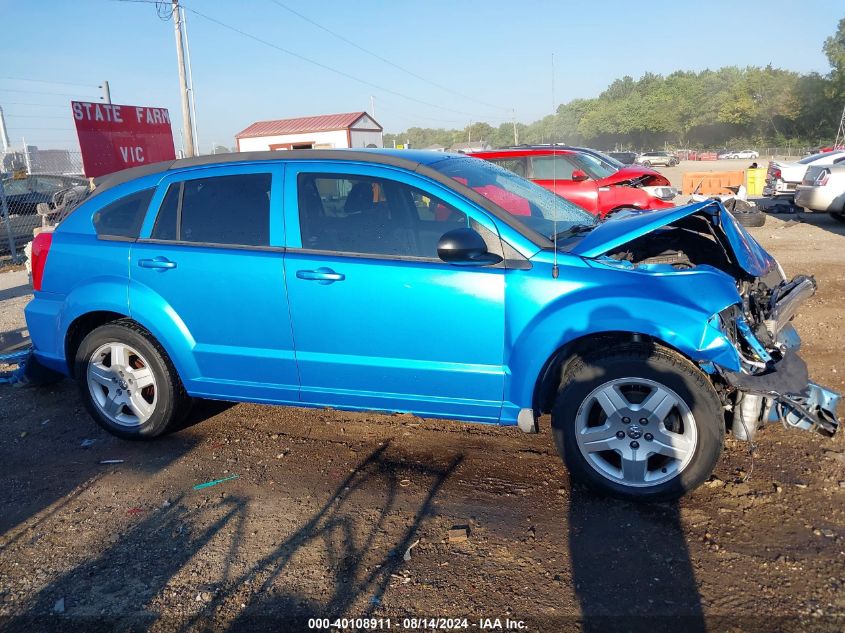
<point x="823" y="189"/>
<point x="783" y="178"/>
<point x="746" y="153"/>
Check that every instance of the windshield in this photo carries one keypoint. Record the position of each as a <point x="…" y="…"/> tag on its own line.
<point x="607" y="158"/>
<point x="529" y="204"/>
<point x="594" y="166"/>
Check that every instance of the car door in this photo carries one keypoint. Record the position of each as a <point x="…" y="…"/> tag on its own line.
<point x="555" y="174"/>
<point x="210" y="259"/>
<point x="379" y="321"/>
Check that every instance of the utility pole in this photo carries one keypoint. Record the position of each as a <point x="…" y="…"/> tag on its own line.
<point x="106" y="92"/>
<point x="373" y="107"/>
<point x="187" y="125"/>
<point x="4" y="135"/>
<point x="515" y="133"/>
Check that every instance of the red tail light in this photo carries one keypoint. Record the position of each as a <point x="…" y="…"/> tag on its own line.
<point x="822" y="178"/>
<point x="40" y="249"/>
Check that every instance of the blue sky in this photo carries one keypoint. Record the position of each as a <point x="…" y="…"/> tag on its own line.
<point x="491" y="55"/>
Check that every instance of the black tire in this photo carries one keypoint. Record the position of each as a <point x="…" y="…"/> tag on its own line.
<point x="171" y="402"/>
<point x="588" y="372"/>
<point x="752" y="219"/>
<point x="646" y="163"/>
<point x="839" y="216"/>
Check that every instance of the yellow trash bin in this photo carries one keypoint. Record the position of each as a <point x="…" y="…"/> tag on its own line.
<point x="754" y="181"/>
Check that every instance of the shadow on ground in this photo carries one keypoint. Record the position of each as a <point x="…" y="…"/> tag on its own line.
<point x="137" y="567"/>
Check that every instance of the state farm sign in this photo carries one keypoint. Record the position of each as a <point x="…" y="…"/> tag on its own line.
<point x="113" y="137"/>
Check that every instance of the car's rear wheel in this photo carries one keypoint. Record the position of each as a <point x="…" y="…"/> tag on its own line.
<point x="639" y="422"/>
<point x="128" y="383"/>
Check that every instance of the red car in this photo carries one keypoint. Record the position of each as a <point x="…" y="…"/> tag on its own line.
<point x="591" y="180"/>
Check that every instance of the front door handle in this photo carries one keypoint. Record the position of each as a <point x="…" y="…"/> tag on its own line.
<point x="158" y="263"/>
<point x="322" y="275"/>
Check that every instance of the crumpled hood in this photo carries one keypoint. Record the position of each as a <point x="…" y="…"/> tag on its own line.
<point x="623" y="227"/>
<point x="631" y="172"/>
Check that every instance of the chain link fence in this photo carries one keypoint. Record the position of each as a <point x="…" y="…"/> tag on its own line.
<point x="34" y="185"/>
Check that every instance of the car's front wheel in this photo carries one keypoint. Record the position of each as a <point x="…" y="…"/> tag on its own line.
<point x="128" y="383"/>
<point x="639" y="422"/>
<point x="646" y="163"/>
<point x="838" y="216"/>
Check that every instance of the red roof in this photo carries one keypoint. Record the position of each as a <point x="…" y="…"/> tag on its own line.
<point x="321" y="123"/>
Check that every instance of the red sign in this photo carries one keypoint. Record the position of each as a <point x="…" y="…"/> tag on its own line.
<point x="113" y="137"/>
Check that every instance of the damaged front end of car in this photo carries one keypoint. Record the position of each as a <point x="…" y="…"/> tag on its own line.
<point x="772" y="384"/>
<point x="765" y="380"/>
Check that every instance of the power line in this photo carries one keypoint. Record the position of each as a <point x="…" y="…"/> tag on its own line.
<point x="44" y="81"/>
<point x="39" y="92"/>
<point x="319" y="64"/>
<point x="37" y="105"/>
<point x="384" y="59"/>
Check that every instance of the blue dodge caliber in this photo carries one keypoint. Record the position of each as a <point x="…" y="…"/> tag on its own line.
<point x="430" y="283"/>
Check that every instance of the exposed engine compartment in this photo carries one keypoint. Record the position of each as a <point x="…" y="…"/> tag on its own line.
<point x="773" y="384"/>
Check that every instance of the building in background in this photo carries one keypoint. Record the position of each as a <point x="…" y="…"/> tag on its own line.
<point x="328" y="131"/>
<point x="468" y="147"/>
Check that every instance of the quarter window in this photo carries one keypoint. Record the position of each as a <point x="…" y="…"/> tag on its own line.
<point x="123" y="217"/>
<point x="219" y="210"/>
<point x="371" y="216"/>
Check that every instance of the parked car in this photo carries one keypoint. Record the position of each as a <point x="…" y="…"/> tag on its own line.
<point x="23" y="195"/>
<point x="745" y="153"/>
<point x="626" y="158"/>
<point x="823" y="189"/>
<point x="436" y="284"/>
<point x="664" y="159"/>
<point x="584" y="178"/>
<point x="724" y="153"/>
<point x="782" y="179"/>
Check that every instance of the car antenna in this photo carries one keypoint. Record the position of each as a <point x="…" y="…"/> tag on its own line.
<point x="555" y="270"/>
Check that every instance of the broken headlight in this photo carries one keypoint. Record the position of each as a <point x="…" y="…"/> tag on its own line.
<point x="661" y="192"/>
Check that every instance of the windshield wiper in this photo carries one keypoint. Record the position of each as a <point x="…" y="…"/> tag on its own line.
<point x="575" y="229"/>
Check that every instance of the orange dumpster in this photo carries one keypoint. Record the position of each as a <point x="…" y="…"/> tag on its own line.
<point x="710" y="183"/>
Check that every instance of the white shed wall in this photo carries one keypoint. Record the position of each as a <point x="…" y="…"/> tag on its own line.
<point x="328" y="140"/>
<point x="362" y="139"/>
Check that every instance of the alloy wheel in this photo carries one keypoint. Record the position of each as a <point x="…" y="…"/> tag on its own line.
<point x="122" y="384"/>
<point x="636" y="432"/>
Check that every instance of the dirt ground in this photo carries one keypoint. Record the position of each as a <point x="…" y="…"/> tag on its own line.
<point x="329" y="514"/>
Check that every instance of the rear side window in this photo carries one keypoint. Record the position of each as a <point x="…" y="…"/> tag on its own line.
<point x="219" y="210"/>
<point x="123" y="217"/>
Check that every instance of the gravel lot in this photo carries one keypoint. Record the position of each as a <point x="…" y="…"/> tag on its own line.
<point x="326" y="504"/>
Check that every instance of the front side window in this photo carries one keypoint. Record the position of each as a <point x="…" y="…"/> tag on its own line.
<point x="552" y="167"/>
<point x="371" y="216"/>
<point x="123" y="217"/>
<point x="218" y="210"/>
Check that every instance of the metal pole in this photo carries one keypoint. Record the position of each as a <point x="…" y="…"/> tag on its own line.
<point x="27" y="157"/>
<point x="191" y="81"/>
<point x="106" y="92"/>
<point x="373" y="106"/>
<point x="515" y="133"/>
<point x="187" y="125"/>
<point x="4" y="208"/>
<point x="4" y="137"/>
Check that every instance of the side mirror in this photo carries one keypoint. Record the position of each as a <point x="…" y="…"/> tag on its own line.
<point x="465" y="247"/>
<point x="579" y="175"/>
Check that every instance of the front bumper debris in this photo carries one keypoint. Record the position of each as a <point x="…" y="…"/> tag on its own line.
<point x="813" y="410"/>
<point x="792" y="399"/>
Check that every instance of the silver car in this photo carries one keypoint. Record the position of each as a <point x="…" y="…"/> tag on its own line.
<point x="823" y="189"/>
<point x="663" y="159"/>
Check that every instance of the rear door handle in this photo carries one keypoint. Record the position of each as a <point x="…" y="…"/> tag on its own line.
<point x="322" y="275"/>
<point x="159" y="263"/>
